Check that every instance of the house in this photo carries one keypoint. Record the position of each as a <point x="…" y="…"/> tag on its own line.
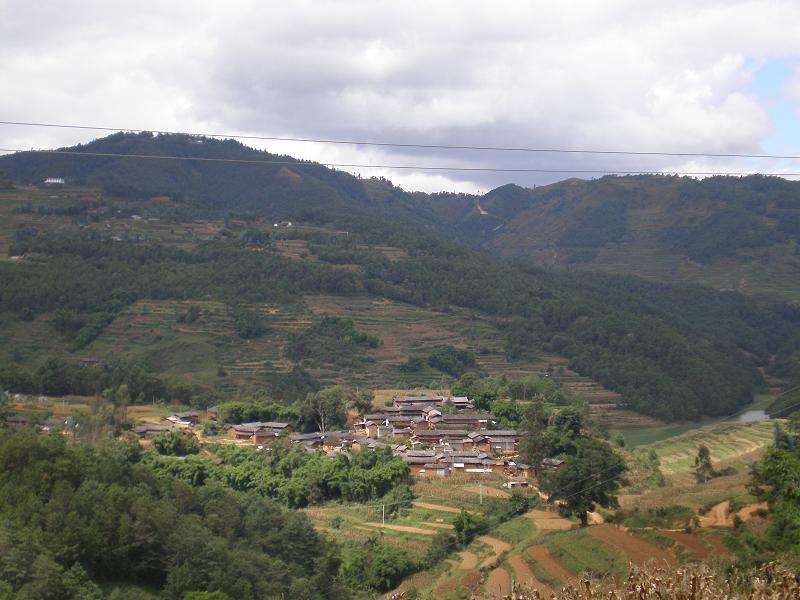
<point x="54" y="424"/>
<point x="434" y="469"/>
<point x="310" y="440"/>
<point x="54" y="181"/>
<point x="464" y="421"/>
<point x="502" y="441"/>
<point x="258" y="432"/>
<point x="553" y="464"/>
<point x="462" y="403"/>
<point x="435" y="401"/>
<point x="189" y="417"/>
<point x="148" y="430"/>
<point x="212" y="413"/>
<point x="16" y="421"/>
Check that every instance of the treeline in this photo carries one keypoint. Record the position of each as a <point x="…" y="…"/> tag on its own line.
<point x="75" y="517"/>
<point x="59" y="377"/>
<point x="289" y="475"/>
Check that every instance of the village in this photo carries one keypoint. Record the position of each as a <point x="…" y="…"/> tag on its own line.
<point x="437" y="436"/>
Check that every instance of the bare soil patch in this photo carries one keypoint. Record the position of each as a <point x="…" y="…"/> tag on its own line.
<point x="548" y="521"/>
<point x="691" y="542"/>
<point x="554" y="568"/>
<point x="446" y="587"/>
<point x="718" y="516"/>
<point x="525" y="577"/>
<point x="470" y="580"/>
<point x="497" y="546"/>
<point x="468" y="560"/>
<point x="720" y="549"/>
<point x="636" y="550"/>
<point x="498" y="584"/>
<point x="748" y="512"/>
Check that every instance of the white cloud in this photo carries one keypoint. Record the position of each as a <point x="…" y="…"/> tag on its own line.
<point x="617" y="75"/>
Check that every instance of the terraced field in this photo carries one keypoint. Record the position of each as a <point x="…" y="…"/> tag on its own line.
<point x="727" y="441"/>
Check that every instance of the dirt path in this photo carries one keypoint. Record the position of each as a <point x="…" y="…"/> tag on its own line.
<point x="691" y="542"/>
<point x="498" y="584"/>
<point x="469" y="560"/>
<point x="542" y="556"/>
<point x="497" y="546"/>
<point x="548" y="521"/>
<point x="440" y="507"/>
<point x="403" y="528"/>
<point x="635" y="550"/>
<point x="717" y="516"/>
<point x="525" y="577"/>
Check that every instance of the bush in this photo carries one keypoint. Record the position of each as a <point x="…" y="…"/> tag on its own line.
<point x="441" y="546"/>
<point x="375" y="566"/>
<point x="450" y="360"/>
<point x="174" y="443"/>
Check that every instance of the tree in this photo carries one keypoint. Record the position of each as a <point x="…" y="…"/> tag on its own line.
<point x="590" y="477"/>
<point x="362" y="402"/>
<point x="325" y="408"/>
<point x="533" y="425"/>
<point x="703" y="469"/>
<point x="466" y="527"/>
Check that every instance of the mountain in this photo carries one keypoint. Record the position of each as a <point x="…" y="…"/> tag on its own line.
<point x="731" y="233"/>
<point x="140" y="240"/>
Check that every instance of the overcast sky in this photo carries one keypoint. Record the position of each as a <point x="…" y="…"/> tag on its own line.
<point x="694" y="76"/>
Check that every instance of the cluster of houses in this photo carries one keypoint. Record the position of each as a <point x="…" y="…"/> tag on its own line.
<point x="436" y="436"/>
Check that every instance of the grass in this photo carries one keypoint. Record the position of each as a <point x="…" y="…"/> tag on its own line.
<point x="518" y="529"/>
<point x="580" y="553"/>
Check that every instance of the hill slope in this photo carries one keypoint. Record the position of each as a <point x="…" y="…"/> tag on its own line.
<point x="730" y="233"/>
<point x="80" y="277"/>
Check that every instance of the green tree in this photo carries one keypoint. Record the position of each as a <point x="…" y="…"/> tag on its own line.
<point x="362" y="402"/>
<point x="466" y="527"/>
<point x="532" y="445"/>
<point x="590" y="477"/>
<point x="325" y="408"/>
<point x="703" y="469"/>
<point x="175" y="443"/>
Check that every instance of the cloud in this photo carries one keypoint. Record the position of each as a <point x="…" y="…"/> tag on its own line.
<point x="611" y="75"/>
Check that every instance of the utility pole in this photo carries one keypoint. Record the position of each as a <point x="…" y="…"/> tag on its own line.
<point x="481" y="488"/>
<point x="383" y="514"/>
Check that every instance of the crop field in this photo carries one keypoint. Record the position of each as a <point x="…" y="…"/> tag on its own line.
<point x="727" y="441"/>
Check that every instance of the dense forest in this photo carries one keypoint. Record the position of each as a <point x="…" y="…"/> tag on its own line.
<point x="675" y="352"/>
<point x="78" y="521"/>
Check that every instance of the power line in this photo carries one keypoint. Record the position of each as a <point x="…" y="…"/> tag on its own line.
<point x="401" y="167"/>
<point x="408" y="145"/>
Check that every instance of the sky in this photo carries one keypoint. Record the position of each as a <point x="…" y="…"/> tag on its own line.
<point x="693" y="76"/>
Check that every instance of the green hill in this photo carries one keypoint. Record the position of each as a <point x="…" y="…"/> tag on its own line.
<point x="729" y="233"/>
<point x="135" y="243"/>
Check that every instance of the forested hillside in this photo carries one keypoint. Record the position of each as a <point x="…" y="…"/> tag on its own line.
<point x="672" y="352"/>
<point x="727" y="232"/>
